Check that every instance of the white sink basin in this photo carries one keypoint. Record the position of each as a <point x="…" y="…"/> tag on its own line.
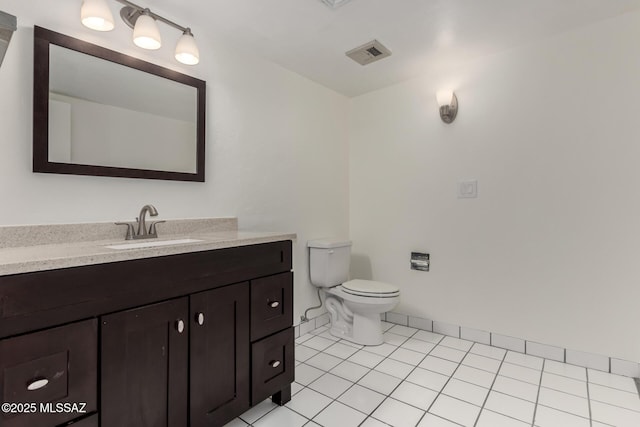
<point x="152" y="244"/>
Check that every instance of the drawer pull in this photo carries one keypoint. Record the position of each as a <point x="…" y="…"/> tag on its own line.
<point x="200" y="319"/>
<point x="37" y="384"/>
<point x="274" y="304"/>
<point x="274" y="363"/>
<point x="180" y="326"/>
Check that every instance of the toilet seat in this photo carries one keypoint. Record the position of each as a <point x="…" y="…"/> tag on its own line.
<point x="370" y="289"/>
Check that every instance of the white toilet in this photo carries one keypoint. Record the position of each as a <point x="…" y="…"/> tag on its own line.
<point x="354" y="305"/>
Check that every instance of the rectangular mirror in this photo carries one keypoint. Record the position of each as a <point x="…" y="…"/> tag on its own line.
<point x="100" y="112"/>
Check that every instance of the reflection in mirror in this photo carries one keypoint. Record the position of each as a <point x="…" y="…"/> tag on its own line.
<point x="115" y="118"/>
<point x="106" y="114"/>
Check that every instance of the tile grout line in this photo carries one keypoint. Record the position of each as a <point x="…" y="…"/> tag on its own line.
<point x="459" y="363"/>
<point x="416" y="365"/>
<point x="414" y="368"/>
<point x="260" y="417"/>
<point x="394" y="389"/>
<point x="490" y="388"/>
<point x="589" y="396"/>
<point x="356" y="382"/>
<point x="445" y="384"/>
<point x="612" y="404"/>
<point x="325" y="373"/>
<point x="525" y="341"/>
<point x="294" y="411"/>
<point x="535" y="407"/>
<point x="323" y="351"/>
<point x="332" y="399"/>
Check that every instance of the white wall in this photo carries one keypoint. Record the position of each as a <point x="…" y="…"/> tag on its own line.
<point x="271" y="137"/>
<point x="549" y="250"/>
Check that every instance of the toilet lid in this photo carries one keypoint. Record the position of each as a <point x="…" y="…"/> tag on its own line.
<point x="370" y="288"/>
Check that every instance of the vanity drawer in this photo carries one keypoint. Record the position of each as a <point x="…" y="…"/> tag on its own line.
<point x="272" y="365"/>
<point x="271" y="304"/>
<point x="57" y="365"/>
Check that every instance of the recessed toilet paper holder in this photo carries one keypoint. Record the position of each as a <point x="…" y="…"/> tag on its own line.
<point x="420" y="261"/>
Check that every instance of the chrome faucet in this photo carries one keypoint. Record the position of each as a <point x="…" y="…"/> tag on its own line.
<point x="142" y="226"/>
<point x="142" y="232"/>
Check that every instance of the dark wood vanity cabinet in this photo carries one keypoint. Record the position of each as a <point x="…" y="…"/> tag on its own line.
<point x="183" y="340"/>
<point x="157" y="356"/>
<point x="41" y="370"/>
<point x="272" y="347"/>
<point x="144" y="365"/>
<point x="219" y="355"/>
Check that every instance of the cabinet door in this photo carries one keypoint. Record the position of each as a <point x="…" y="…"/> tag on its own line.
<point x="144" y="369"/>
<point x="50" y="367"/>
<point x="219" y="378"/>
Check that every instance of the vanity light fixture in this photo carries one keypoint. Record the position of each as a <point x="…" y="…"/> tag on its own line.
<point x="95" y="14"/>
<point x="186" y="50"/>
<point x="448" y="103"/>
<point x="145" y="32"/>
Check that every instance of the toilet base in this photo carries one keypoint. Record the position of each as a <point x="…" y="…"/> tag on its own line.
<point x="357" y="318"/>
<point x="366" y="329"/>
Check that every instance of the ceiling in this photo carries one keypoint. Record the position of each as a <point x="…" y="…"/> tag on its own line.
<point x="309" y="38"/>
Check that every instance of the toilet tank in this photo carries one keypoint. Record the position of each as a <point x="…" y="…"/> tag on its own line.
<point x="329" y="261"/>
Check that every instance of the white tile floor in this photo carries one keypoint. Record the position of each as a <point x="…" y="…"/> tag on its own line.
<point x="419" y="378"/>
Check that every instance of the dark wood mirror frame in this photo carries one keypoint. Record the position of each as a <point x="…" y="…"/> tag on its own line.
<point x="42" y="40"/>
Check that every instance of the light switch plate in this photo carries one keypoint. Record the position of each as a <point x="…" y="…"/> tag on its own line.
<point x="468" y="189"/>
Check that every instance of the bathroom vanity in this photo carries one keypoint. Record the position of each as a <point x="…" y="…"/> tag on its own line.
<point x="187" y="334"/>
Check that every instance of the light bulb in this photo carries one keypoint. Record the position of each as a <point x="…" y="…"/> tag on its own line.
<point x="444" y="97"/>
<point x="186" y="50"/>
<point x="95" y="14"/>
<point x="146" y="33"/>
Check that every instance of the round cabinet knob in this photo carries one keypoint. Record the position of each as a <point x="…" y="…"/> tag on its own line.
<point x="274" y="363"/>
<point x="37" y="384"/>
<point x="180" y="326"/>
<point x="200" y="319"/>
<point x="274" y="304"/>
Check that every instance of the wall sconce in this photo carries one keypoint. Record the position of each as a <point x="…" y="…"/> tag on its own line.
<point x="448" y="103"/>
<point x="95" y="14"/>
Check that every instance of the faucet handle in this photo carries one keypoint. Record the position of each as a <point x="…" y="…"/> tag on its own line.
<point x="129" y="235"/>
<point x="152" y="227"/>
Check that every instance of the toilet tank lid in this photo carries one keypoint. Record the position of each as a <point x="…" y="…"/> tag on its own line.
<point x="328" y="243"/>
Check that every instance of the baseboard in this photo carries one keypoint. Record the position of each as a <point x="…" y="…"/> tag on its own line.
<point x="573" y="357"/>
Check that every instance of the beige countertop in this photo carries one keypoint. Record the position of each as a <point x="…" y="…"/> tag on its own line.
<point x="56" y="247"/>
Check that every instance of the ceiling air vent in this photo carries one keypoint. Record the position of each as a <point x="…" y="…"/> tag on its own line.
<point x="334" y="3"/>
<point x="369" y="52"/>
